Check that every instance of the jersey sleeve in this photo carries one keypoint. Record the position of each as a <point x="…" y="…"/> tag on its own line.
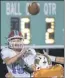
<point x="4" y="53"/>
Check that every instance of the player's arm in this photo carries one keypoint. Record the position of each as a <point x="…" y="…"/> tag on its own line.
<point x="8" y="60"/>
<point x="29" y="60"/>
<point x="55" y="58"/>
<point x="60" y="60"/>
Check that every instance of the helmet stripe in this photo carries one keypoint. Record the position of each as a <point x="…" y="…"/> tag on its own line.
<point x="17" y="33"/>
<point x="14" y="32"/>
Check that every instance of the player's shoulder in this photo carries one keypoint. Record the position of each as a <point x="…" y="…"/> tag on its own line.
<point x="31" y="49"/>
<point x="5" y="50"/>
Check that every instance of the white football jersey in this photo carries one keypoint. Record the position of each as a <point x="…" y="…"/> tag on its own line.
<point x="17" y="68"/>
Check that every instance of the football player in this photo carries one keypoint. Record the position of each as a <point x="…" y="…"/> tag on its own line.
<point x="18" y="58"/>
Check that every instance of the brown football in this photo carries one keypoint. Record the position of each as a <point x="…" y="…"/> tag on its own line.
<point x="33" y="8"/>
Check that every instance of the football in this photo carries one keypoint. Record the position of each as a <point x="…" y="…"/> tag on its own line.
<point x="33" y="8"/>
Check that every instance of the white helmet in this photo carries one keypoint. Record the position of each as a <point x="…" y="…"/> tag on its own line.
<point x="14" y="35"/>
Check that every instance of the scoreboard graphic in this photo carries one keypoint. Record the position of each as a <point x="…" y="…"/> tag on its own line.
<point x="41" y="22"/>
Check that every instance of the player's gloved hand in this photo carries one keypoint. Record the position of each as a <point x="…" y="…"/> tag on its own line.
<point x="53" y="58"/>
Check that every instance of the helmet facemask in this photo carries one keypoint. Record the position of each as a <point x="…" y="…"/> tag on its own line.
<point x="15" y="43"/>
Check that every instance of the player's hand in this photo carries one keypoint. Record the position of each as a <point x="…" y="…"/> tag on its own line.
<point x="23" y="51"/>
<point x="9" y="75"/>
<point x="45" y="53"/>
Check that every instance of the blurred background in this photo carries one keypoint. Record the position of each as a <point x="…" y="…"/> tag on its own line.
<point x="40" y="22"/>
